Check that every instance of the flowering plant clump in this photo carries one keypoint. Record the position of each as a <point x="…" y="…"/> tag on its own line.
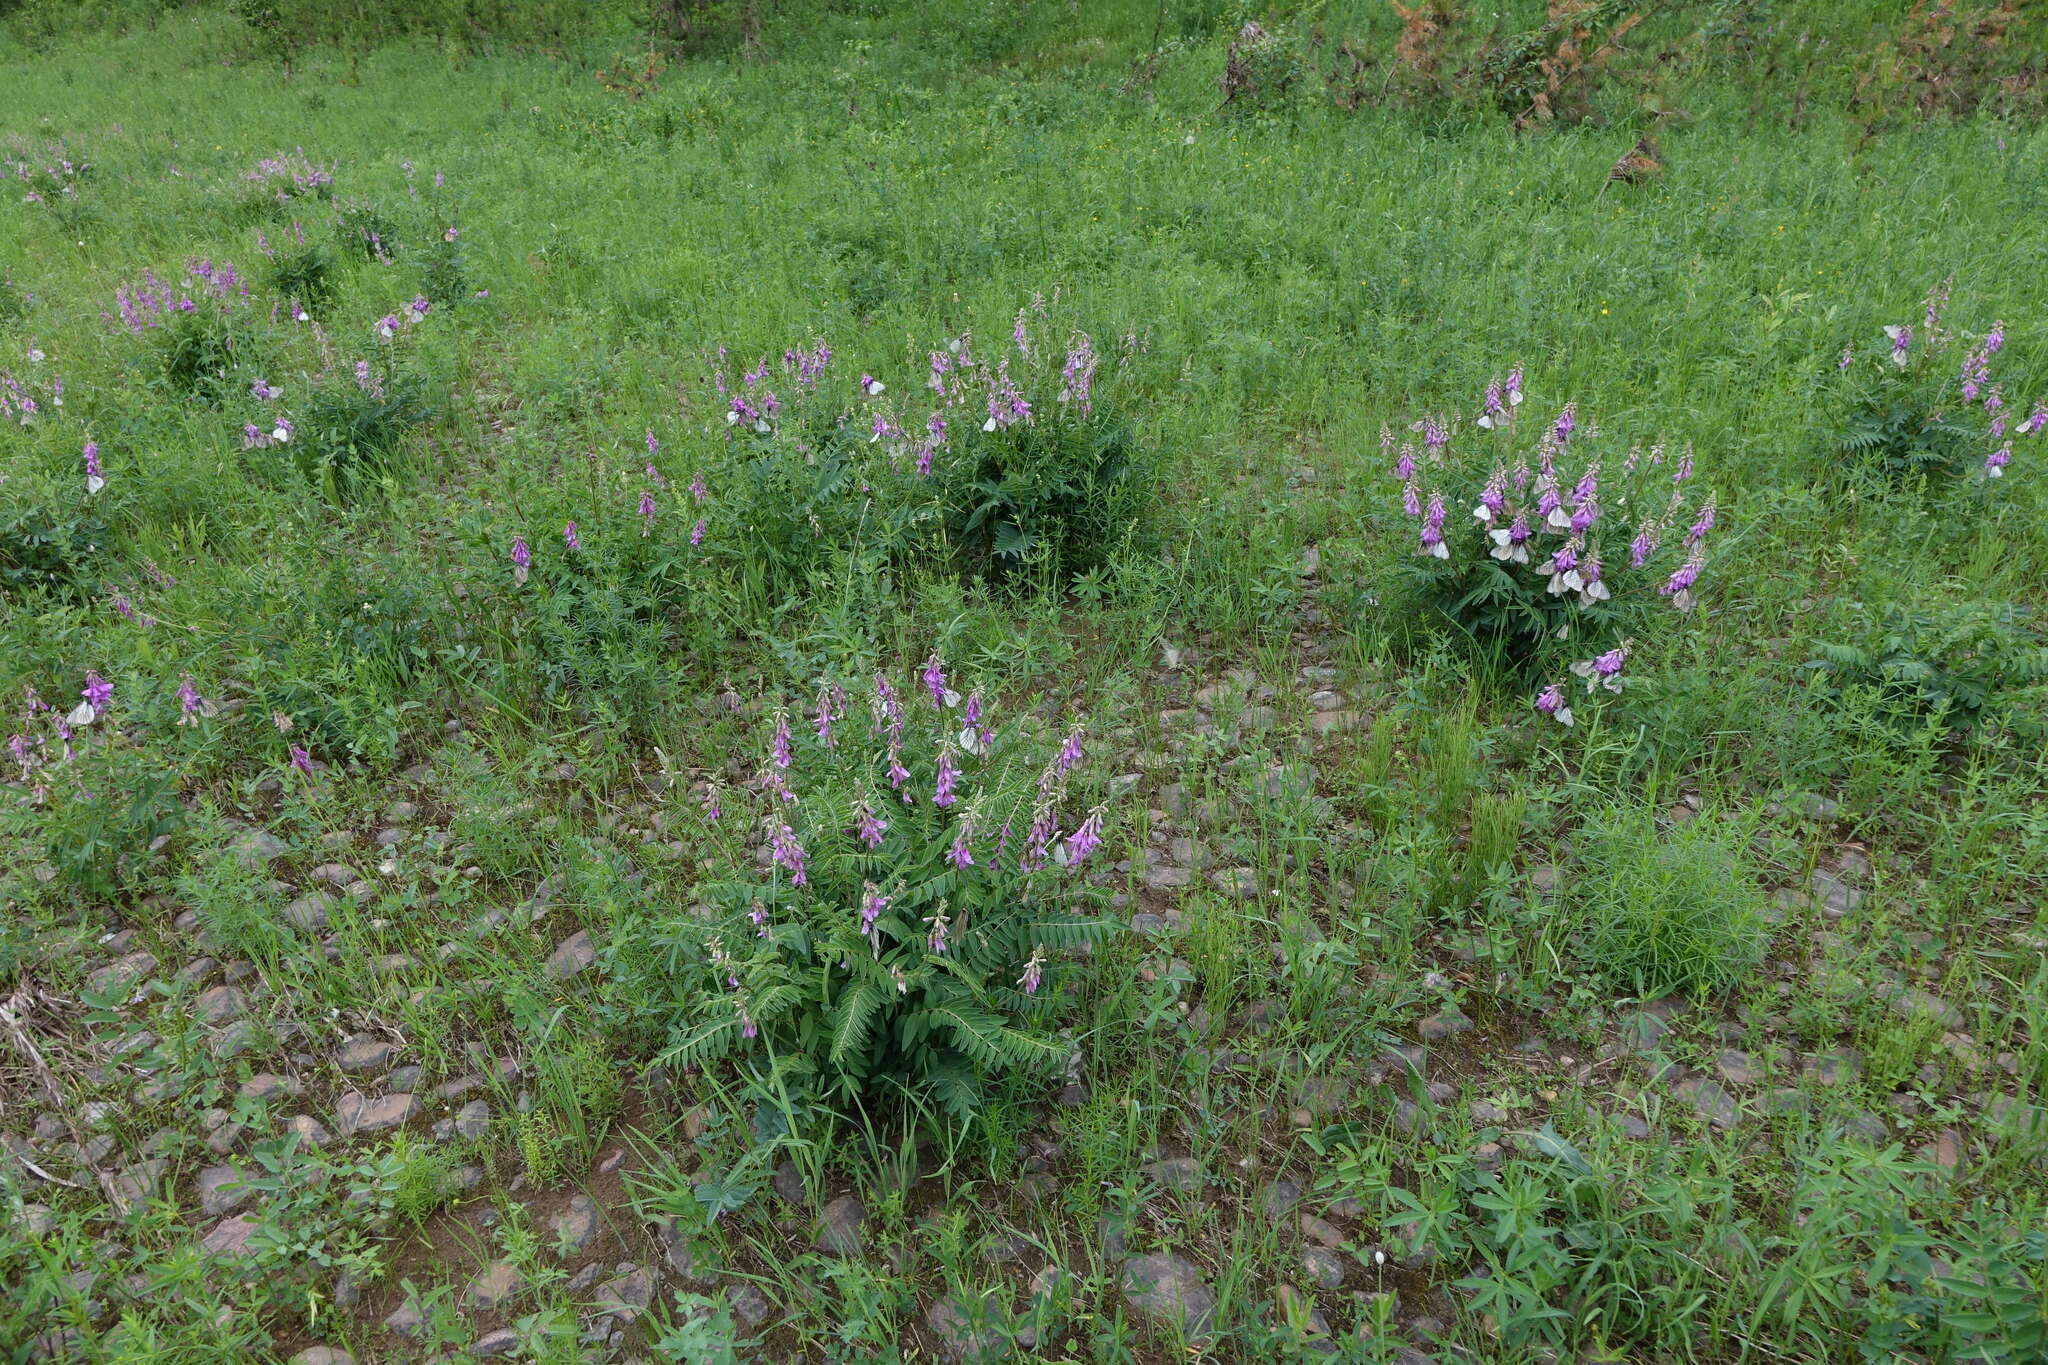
<point x="906" y="929"/>
<point x="47" y="175"/>
<point x="200" y="325"/>
<point x="289" y="176"/>
<point x="1548" y="538"/>
<point x="1925" y="405"/>
<point x="1025" y="454"/>
<point x="102" y="800"/>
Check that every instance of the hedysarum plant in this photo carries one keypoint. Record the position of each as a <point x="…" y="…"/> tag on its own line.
<point x="1552" y="541"/>
<point x="1924" y="404"/>
<point x="907" y="930"/>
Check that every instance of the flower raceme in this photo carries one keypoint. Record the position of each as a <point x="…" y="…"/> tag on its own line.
<point x="930" y="941"/>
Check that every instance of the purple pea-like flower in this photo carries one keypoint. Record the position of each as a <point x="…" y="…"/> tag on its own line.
<point x="868" y="826"/>
<point x="748" y="1028"/>
<point x="872" y="904"/>
<point x="697" y="487"/>
<point x="94" y="479"/>
<point x="1567" y="422"/>
<point x="190" y="703"/>
<point x="1433" y="529"/>
<point x="1511" y="542"/>
<point x="1069" y="754"/>
<point x="778" y="748"/>
<point x="1086" y="839"/>
<point x="2036" y="420"/>
<point x="570" y="538"/>
<point x="758" y="916"/>
<point x="961" y="854"/>
<point x="1902" y="343"/>
<point x="1848" y="356"/>
<point x="1411" y="501"/>
<point x="949" y="773"/>
<point x="935" y="679"/>
<point x="1034" y="972"/>
<point x="1995" y="462"/>
<point x="936" y="940"/>
<point x="1493" y="498"/>
<point x="1644" y="545"/>
<point x="387" y="326"/>
<point x="646" y="511"/>
<point x="1404" y="464"/>
<point x="697" y="533"/>
<point x="302" y="760"/>
<point x="1679" y="586"/>
<point x="522" y="559"/>
<point x="787" y="852"/>
<point x="97" y="692"/>
<point x="1550" y="701"/>
<point x="1705" y="523"/>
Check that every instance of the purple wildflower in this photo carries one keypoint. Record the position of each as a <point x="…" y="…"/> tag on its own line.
<point x="961" y="854"/>
<point x="98" y="691"/>
<point x="868" y="827"/>
<point x="1902" y="342"/>
<point x="522" y="559"/>
<point x="646" y="511"/>
<point x="1086" y="839"/>
<point x="1550" y="701"/>
<point x="1567" y="421"/>
<point x="697" y="487"/>
<point x="570" y="538"/>
<point x="872" y="904"/>
<point x="1995" y="462"/>
<point x="190" y="703"/>
<point x="1644" y="545"/>
<point x="936" y="940"/>
<point x="302" y="760"/>
<point x="1433" y="529"/>
<point x="1411" y="501"/>
<point x="786" y="851"/>
<point x="2035" y="420"/>
<point x="1034" y="972"/>
<point x="387" y="326"/>
<point x="1493" y="498"/>
<point x="758" y="916"/>
<point x="697" y="533"/>
<point x="935" y="679"/>
<point x="949" y="773"/>
<point x="1705" y="523"/>
<point x="94" y="479"/>
<point x="1848" y="356"/>
<point x="1679" y="586"/>
<point x="778" y="747"/>
<point x="1069" y="754"/>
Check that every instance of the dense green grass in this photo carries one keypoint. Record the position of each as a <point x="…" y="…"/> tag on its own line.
<point x="1384" y="841"/>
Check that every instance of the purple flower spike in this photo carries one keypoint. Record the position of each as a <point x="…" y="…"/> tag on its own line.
<point x="935" y="679"/>
<point x="1551" y="703"/>
<point x="302" y="760"/>
<point x="570" y="538"/>
<point x="1086" y="839"/>
<point x="522" y="559"/>
<point x="949" y="773"/>
<point x="1034" y="972"/>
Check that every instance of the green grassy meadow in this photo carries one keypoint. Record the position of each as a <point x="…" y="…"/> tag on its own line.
<point x="502" y="572"/>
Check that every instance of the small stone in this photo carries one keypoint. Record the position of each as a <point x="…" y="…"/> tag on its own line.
<point x="1323" y="1266"/>
<point x="1738" y="1068"/>
<point x="1910" y="1002"/>
<point x="839" y="1229"/>
<point x="368" y="1054"/>
<point x="356" y="1113"/>
<point x="1632" y="1127"/>
<point x="1167" y="877"/>
<point x="473" y="1120"/>
<point x="1240" y="883"/>
<point x="122" y="975"/>
<point x="1644" y="1032"/>
<point x="308" y="1129"/>
<point x="502" y="1342"/>
<point x="1166" y="1289"/>
<point x="576" y="1227"/>
<point x="747" y="1304"/>
<point x="1835" y="897"/>
<point x="627" y="1296"/>
<point x="573" y="956"/>
<point x="255" y="847"/>
<point x="407" y="1320"/>
<point x="1279" y="1198"/>
<point x="323" y="1355"/>
<point x="1945" y="1151"/>
<point x="494" y="1285"/>
<point x="230" y="1237"/>
<point x="406" y="1078"/>
<point x="1316" y="1230"/>
<point x="334" y="874"/>
<point x="1445" y="1023"/>
<point x="1835" y="1067"/>
<point x="266" y="1086"/>
<point x="219" y="1005"/>
<point x="959" y="1339"/>
<point x="789" y="1183"/>
<point x="221" y="1190"/>
<point x="308" y="913"/>
<point x="1176" y="1173"/>
<point x="1714" y="1104"/>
